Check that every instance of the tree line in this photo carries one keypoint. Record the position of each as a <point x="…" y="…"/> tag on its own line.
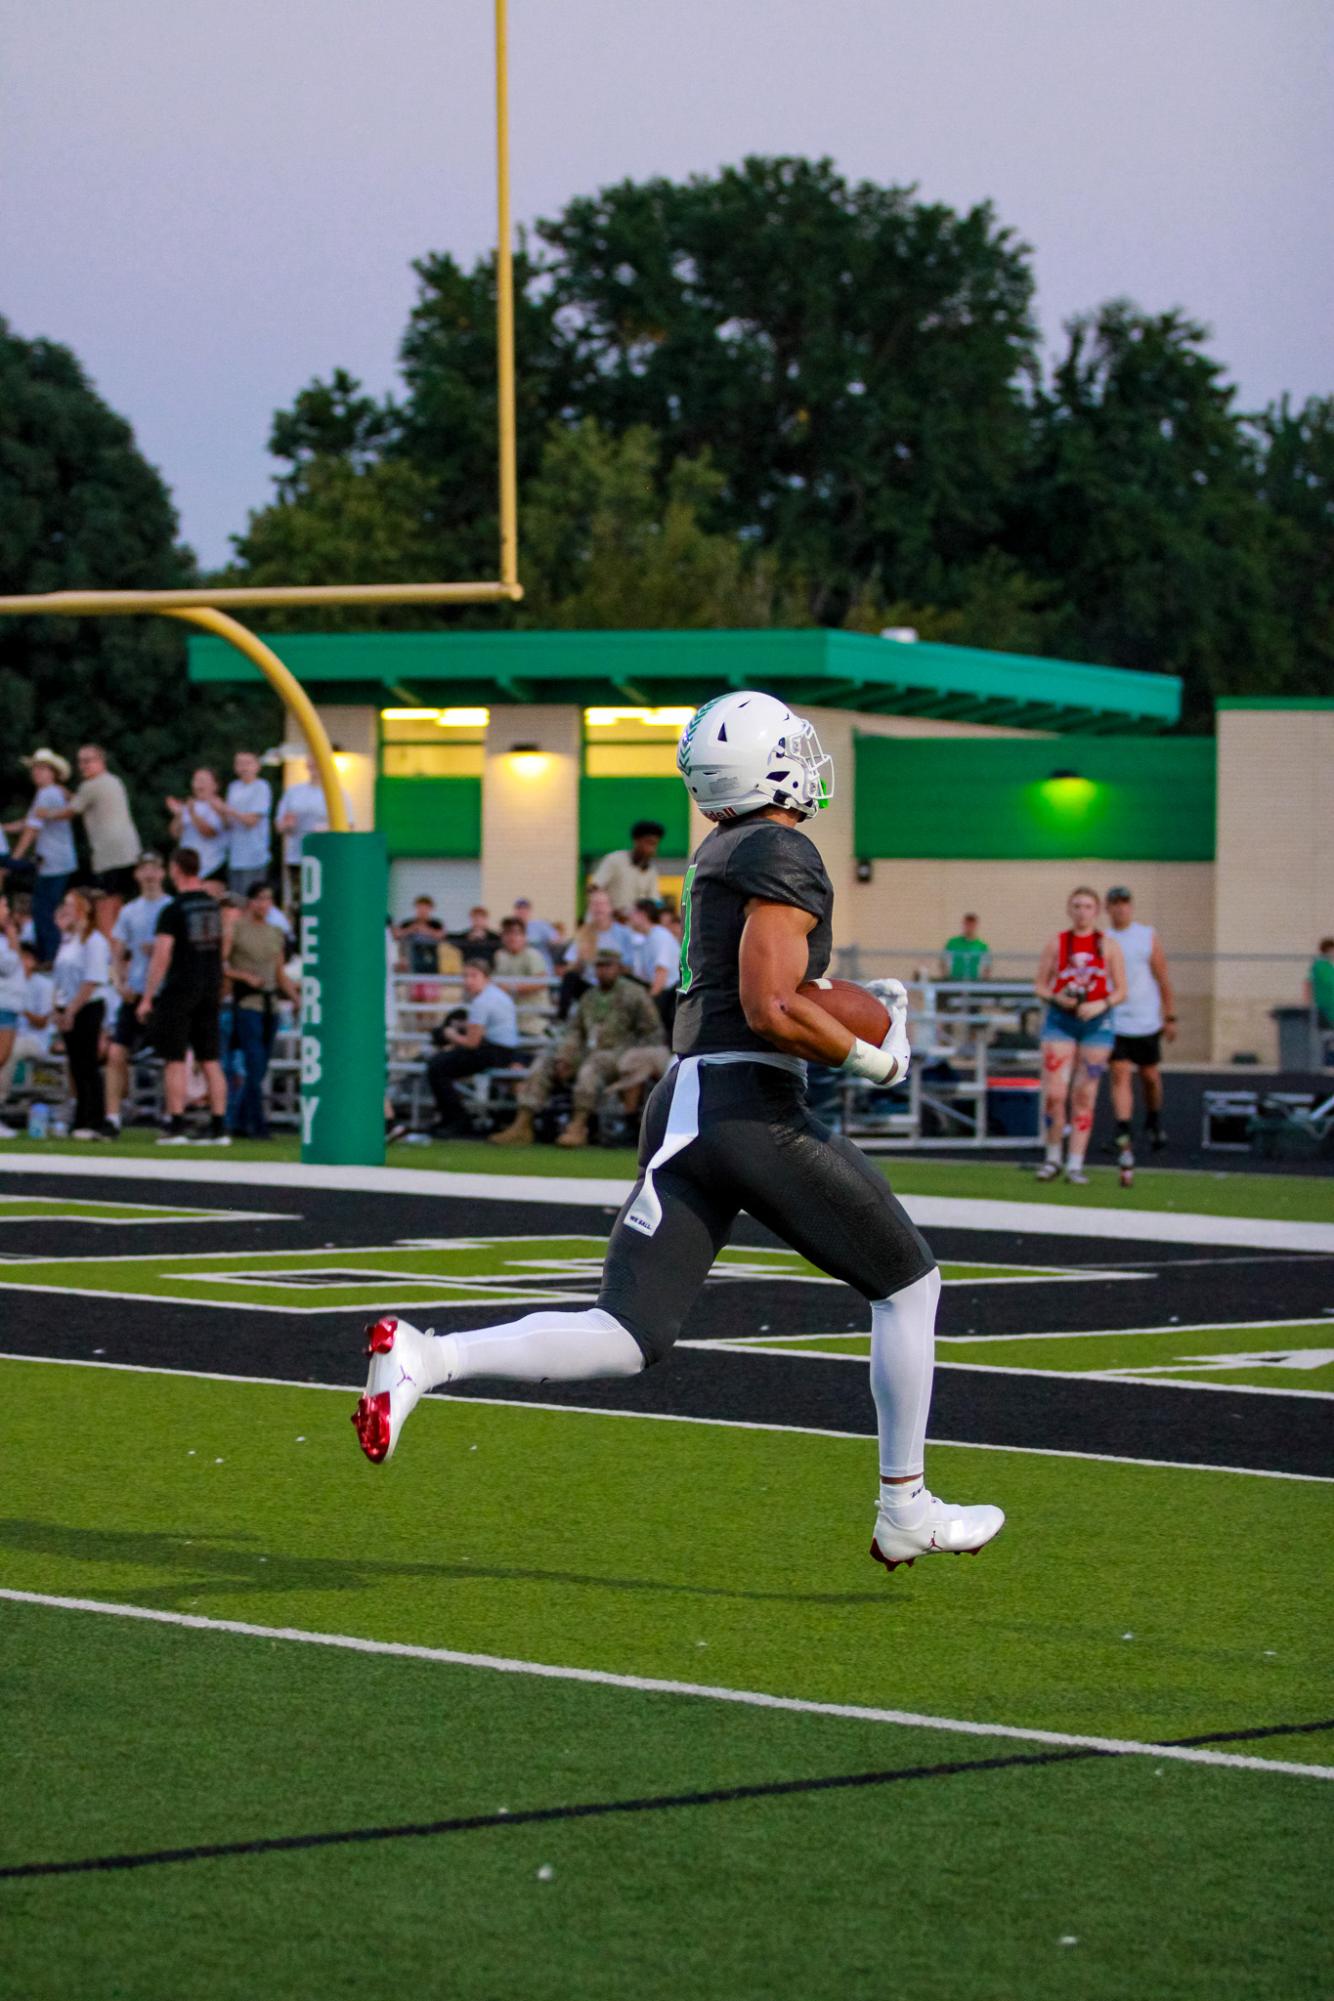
<point x="762" y="397"/>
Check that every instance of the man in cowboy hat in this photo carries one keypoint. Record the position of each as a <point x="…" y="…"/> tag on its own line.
<point x="113" y="838"/>
<point x="52" y="842"/>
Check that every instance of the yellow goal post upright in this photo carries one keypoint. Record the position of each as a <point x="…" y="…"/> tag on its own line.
<point x="344" y="874"/>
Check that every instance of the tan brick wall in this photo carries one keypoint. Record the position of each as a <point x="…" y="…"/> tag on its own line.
<point x="530" y="821"/>
<point x="911" y="905"/>
<point x="1275" y="864"/>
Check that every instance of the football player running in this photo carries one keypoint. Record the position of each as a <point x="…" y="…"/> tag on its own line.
<point x="728" y="1128"/>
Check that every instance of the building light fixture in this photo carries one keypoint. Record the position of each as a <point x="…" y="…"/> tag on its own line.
<point x="529" y="760"/>
<point x="606" y="719"/>
<point x="445" y="719"/>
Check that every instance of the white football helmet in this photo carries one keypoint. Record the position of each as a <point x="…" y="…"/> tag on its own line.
<point x="740" y="752"/>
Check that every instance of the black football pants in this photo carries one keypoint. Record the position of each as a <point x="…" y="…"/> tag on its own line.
<point x="759" y="1148"/>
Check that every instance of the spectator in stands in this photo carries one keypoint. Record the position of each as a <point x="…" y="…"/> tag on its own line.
<point x="81" y="978"/>
<point x="485" y="1040"/>
<point x="522" y="971"/>
<point x="421" y="937"/>
<point x="630" y="874"/>
<point x="183" y="995"/>
<point x="967" y="956"/>
<point x="1320" y="986"/>
<point x="254" y="965"/>
<point x="248" y="812"/>
<point x="52" y="842"/>
<point x="479" y="941"/>
<point x="548" y="938"/>
<point x="301" y="811"/>
<point x="655" y="958"/>
<point x="113" y="839"/>
<point x="132" y="937"/>
<point x="599" y="929"/>
<point x="12" y="983"/>
<point x="1082" y="978"/>
<point x="36" y="1026"/>
<point x="615" y="1016"/>
<point x="1143" y="1022"/>
<point x="200" y="822"/>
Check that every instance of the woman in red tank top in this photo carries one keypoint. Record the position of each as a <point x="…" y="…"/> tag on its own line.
<point x="1081" y="976"/>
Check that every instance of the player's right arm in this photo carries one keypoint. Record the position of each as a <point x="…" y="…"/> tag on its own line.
<point x="773" y="966"/>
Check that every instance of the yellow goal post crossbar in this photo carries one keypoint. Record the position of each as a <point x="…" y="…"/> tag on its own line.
<point x="200" y="606"/>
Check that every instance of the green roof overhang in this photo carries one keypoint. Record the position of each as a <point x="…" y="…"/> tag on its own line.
<point x="811" y="667"/>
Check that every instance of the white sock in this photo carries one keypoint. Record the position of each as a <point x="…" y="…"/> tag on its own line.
<point x="1074" y="1160"/>
<point x="903" y="1359"/>
<point x="545" y="1347"/>
<point x="1054" y="1152"/>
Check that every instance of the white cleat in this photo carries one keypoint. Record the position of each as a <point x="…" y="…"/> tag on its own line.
<point x="399" y="1374"/>
<point x="942" y="1530"/>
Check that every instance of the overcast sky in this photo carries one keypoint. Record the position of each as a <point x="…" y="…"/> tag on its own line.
<point x="210" y="204"/>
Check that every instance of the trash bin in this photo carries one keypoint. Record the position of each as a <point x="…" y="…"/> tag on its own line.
<point x="1298" y="1042"/>
<point x="1014" y="1107"/>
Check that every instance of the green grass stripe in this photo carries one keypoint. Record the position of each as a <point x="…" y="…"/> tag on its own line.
<point x="1137" y="1354"/>
<point x="480" y="1271"/>
<point x="1288" y="1198"/>
<point x="70" y="1209"/>
<point x="1168" y="1879"/>
<point x="691" y="1552"/>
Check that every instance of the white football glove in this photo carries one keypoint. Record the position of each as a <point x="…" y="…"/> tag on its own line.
<point x="889" y="1062"/>
<point x="893" y="995"/>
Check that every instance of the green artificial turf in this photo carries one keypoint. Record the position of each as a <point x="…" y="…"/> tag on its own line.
<point x="1290" y="1198"/>
<point x="1143" y="1602"/>
<point x="693" y="1551"/>
<point x="1101" y="1877"/>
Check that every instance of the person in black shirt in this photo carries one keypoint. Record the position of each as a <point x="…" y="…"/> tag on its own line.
<point x="728" y="1128"/>
<point x="183" y="995"/>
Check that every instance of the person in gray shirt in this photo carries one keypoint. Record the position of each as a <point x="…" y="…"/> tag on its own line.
<point x="485" y="1040"/>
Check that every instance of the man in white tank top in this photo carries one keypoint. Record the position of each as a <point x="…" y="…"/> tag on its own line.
<point x="1143" y="1021"/>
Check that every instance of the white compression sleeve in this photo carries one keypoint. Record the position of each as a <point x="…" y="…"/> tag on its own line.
<point x="545" y="1347"/>
<point x="903" y="1360"/>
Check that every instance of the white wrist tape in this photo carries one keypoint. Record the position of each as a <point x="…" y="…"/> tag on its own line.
<point x="865" y="1060"/>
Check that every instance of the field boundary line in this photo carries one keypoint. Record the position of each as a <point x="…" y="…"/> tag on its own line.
<point x="961" y="1212"/>
<point x="675" y="1417"/>
<point x="655" y="1685"/>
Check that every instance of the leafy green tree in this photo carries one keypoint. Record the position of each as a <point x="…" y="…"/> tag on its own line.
<point x="1296" y="450"/>
<point x="604" y="546"/>
<point x="850" y="357"/>
<point x="80" y="508"/>
<point x="1141" y="509"/>
<point x="337" y="520"/>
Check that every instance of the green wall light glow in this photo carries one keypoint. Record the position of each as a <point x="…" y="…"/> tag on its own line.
<point x="1068" y="794"/>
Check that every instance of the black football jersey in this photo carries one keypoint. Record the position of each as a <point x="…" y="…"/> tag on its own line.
<point x="751" y="858"/>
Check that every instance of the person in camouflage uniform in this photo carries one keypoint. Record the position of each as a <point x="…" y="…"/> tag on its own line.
<point x="613" y="1016"/>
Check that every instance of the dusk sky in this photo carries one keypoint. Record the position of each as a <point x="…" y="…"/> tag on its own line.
<point x="212" y="204"/>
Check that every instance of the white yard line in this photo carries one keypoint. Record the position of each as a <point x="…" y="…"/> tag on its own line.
<point x="671" y="1417"/>
<point x="1121" y="1747"/>
<point x="943" y="1212"/>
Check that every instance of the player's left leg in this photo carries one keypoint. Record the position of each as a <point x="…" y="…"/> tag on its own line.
<point x="822" y="1196"/>
<point x="648" y="1285"/>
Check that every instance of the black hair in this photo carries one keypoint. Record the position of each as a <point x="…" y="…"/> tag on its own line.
<point x="643" y="828"/>
<point x="187" y="860"/>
